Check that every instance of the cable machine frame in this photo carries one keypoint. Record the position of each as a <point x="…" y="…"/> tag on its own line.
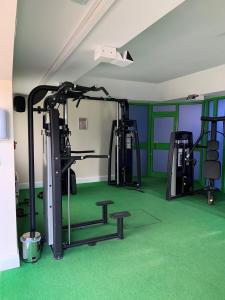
<point x="60" y="95"/>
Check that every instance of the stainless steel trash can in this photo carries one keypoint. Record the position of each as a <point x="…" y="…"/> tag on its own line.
<point x="31" y="247"/>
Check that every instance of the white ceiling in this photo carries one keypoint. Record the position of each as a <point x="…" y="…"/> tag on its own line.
<point x="47" y="31"/>
<point x="55" y="39"/>
<point x="190" y="38"/>
<point x="37" y="45"/>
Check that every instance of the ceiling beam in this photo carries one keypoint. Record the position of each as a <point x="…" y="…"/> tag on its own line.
<point x="125" y="20"/>
<point x="93" y="15"/>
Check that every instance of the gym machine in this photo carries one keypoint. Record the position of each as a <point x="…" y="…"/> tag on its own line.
<point x="180" y="171"/>
<point x="65" y="149"/>
<point x="180" y="167"/>
<point x="58" y="161"/>
<point x="124" y="142"/>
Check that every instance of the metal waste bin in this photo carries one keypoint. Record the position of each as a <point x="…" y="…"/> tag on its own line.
<point x="31" y="247"/>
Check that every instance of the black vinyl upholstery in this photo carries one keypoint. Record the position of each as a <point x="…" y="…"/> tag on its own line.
<point x="212" y="167"/>
<point x="212" y="155"/>
<point x="212" y="145"/>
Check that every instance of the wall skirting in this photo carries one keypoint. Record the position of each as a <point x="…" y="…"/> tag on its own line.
<point x="10" y="262"/>
<point x="39" y="184"/>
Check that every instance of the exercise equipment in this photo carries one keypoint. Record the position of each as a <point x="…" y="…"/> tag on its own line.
<point x="124" y="142"/>
<point x="64" y="148"/>
<point x="180" y="171"/>
<point x="58" y="160"/>
<point x="181" y="162"/>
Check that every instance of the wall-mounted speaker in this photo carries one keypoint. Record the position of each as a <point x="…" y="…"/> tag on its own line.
<point x="19" y="103"/>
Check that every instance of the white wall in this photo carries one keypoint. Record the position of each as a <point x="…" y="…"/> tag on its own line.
<point x="131" y="90"/>
<point x="9" y="257"/>
<point x="21" y="152"/>
<point x="99" y="115"/>
<point x="210" y="81"/>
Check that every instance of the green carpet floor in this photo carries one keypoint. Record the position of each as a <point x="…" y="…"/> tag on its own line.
<point x="172" y="250"/>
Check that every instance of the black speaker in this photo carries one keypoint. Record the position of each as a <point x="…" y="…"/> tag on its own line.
<point x="19" y="104"/>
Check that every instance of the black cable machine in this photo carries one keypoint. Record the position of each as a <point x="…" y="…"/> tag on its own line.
<point x="179" y="170"/>
<point x="180" y="167"/>
<point x="59" y="159"/>
<point x="124" y="142"/>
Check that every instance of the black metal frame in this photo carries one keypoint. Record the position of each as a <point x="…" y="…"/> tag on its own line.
<point x="93" y="240"/>
<point x="125" y="173"/>
<point x="186" y="171"/>
<point x="56" y="184"/>
<point x="103" y="220"/>
<point x="37" y="93"/>
<point x="60" y="96"/>
<point x="210" y="188"/>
